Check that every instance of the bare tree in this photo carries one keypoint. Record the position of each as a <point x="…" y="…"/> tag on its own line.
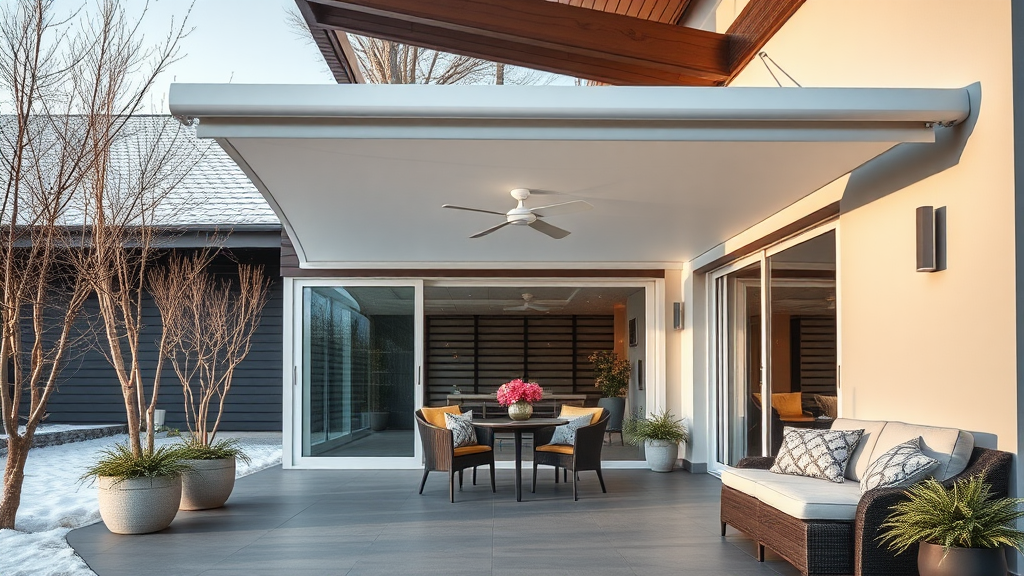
<point x="209" y="329"/>
<point x="70" y="84"/>
<point x="389" y="62"/>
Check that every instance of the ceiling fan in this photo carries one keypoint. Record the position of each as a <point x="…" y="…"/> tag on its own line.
<point x="523" y="216"/>
<point x="527" y="305"/>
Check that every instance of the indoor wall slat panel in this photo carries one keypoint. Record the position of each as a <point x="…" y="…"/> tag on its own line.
<point x="479" y="353"/>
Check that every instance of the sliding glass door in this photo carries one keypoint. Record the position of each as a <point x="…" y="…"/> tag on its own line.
<point x="774" y="345"/>
<point x="359" y="350"/>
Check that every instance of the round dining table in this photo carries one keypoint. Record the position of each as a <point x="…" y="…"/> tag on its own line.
<point x="517" y="427"/>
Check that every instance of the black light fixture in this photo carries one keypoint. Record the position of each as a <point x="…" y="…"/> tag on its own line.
<point x="927" y="260"/>
<point x="677" y="315"/>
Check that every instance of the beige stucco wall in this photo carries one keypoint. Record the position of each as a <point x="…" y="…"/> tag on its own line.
<point x="933" y="348"/>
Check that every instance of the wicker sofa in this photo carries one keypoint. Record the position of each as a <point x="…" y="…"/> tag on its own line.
<point x="823" y="527"/>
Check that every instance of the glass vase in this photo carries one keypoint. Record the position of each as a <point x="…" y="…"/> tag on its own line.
<point x="521" y="410"/>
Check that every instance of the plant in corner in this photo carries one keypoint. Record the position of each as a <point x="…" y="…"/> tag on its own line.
<point x="962" y="530"/>
<point x="611" y="376"/>
<point x="209" y="325"/>
<point x="661" y="434"/>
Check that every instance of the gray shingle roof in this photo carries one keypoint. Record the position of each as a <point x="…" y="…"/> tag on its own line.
<point x="215" y="191"/>
<point x="204" y="187"/>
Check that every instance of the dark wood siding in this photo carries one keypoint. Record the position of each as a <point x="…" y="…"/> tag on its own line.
<point x="89" y="392"/>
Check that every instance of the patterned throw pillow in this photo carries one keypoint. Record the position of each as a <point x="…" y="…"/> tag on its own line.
<point x="566" y="433"/>
<point x="903" y="465"/>
<point x="461" y="425"/>
<point x="816" y="453"/>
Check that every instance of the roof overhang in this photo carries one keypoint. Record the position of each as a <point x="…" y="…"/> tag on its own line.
<point x="357" y="174"/>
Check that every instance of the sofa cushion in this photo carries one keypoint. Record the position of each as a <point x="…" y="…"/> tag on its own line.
<point x="950" y="446"/>
<point x="902" y="465"/>
<point x="861" y="458"/>
<point x="797" y="496"/>
<point x="816" y="453"/>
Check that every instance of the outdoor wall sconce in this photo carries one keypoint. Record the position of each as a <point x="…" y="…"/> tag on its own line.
<point x="931" y="238"/>
<point x="677" y="315"/>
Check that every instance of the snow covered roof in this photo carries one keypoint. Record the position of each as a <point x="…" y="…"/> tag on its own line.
<point x="201" y="186"/>
<point x="215" y="191"/>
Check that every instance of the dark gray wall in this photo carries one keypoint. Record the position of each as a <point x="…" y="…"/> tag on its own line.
<point x="89" y="392"/>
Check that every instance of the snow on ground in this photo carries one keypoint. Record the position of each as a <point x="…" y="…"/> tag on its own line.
<point x="54" y="501"/>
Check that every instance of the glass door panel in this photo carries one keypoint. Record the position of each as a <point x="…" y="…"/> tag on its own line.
<point x="738" y="326"/>
<point x="803" y="336"/>
<point x="359" y="371"/>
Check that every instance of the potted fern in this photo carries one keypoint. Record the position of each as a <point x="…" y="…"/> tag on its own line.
<point x="962" y="530"/>
<point x="660" y="434"/>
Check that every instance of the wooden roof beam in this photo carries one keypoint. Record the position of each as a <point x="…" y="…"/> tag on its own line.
<point x="542" y="35"/>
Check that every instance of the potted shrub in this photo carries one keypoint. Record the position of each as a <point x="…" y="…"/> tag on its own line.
<point x="661" y="435"/>
<point x="962" y="530"/>
<point x="138" y="494"/>
<point x="611" y="376"/>
<point x="211" y="475"/>
<point x="208" y="327"/>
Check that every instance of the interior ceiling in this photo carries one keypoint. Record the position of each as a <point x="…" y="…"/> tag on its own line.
<point x="372" y="201"/>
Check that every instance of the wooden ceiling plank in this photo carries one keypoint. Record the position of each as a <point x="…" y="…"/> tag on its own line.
<point x="648" y="7"/>
<point x="675" y="16"/>
<point x="756" y="24"/>
<point x="604" y="70"/>
<point x="543" y="24"/>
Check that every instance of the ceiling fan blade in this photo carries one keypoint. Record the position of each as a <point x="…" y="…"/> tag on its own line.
<point x="553" y="231"/>
<point x="516" y="308"/>
<point x="454" y="207"/>
<point x="563" y="208"/>
<point x="533" y="306"/>
<point x="489" y="230"/>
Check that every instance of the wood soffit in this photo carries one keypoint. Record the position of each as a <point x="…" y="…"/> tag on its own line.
<point x="620" y="42"/>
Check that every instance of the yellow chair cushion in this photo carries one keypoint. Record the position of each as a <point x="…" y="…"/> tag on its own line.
<point x="560" y="448"/>
<point x="789" y="405"/>
<point x="435" y="416"/>
<point x="570" y="412"/>
<point x="474" y="449"/>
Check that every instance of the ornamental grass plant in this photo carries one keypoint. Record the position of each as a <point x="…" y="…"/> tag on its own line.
<point x="121" y="463"/>
<point x="661" y="426"/>
<point x="966" y="515"/>
<point x="192" y="448"/>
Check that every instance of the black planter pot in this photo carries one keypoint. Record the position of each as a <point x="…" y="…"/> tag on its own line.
<point x="616" y="408"/>
<point x="960" y="561"/>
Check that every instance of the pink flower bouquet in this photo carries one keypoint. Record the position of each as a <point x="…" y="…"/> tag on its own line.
<point x="518" y="391"/>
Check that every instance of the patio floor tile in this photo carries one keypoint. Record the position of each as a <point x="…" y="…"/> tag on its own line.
<point x="373" y="523"/>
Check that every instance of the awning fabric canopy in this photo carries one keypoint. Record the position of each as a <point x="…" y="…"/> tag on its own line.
<point x="357" y="174"/>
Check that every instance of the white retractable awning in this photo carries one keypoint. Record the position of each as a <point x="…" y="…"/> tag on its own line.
<point x="358" y="173"/>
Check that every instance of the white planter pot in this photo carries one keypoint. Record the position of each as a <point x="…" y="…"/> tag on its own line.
<point x="139" y="505"/>
<point x="208" y="485"/>
<point x="661" y="454"/>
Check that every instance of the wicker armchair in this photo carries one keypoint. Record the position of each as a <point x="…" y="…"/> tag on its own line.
<point x="585" y="454"/>
<point x="439" y="454"/>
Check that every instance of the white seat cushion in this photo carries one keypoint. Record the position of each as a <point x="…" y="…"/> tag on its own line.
<point x="797" y="496"/>
<point x="861" y="458"/>
<point x="950" y="446"/>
